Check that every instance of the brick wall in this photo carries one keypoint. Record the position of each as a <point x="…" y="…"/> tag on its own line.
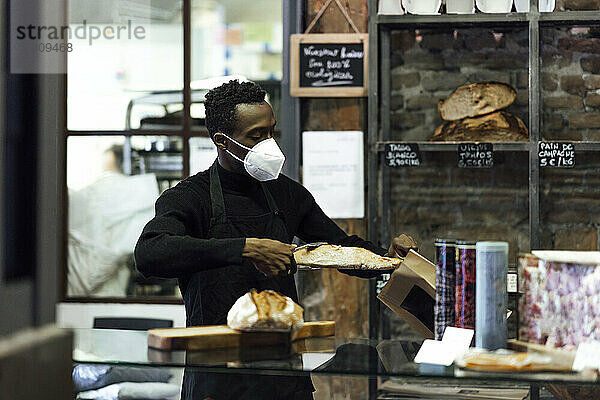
<point x="427" y="65"/>
<point x="580" y="5"/>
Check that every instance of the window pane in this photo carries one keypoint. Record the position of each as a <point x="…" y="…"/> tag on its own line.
<point x="108" y="207"/>
<point x="106" y="73"/>
<point x="241" y="41"/>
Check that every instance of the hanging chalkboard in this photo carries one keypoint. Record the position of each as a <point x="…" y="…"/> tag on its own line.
<point x="556" y="154"/>
<point x="329" y="65"/>
<point x="402" y="155"/>
<point x="475" y="155"/>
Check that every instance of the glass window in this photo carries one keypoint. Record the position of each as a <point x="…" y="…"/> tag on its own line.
<point x="140" y="51"/>
<point x="128" y="83"/>
<point x="108" y="208"/>
<point x="231" y="40"/>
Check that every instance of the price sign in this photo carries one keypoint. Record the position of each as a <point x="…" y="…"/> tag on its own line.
<point x="381" y="281"/>
<point x="511" y="283"/>
<point x="556" y="154"/>
<point x="475" y="155"/>
<point x="402" y="155"/>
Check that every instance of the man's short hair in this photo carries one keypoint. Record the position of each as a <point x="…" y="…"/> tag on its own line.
<point x="220" y="104"/>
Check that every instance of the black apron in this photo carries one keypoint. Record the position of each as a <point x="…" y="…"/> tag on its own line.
<point x="209" y="295"/>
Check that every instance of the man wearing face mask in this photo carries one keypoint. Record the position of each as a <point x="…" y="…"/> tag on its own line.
<point x="229" y="229"/>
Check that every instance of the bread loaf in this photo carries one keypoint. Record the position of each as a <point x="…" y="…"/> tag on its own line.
<point x="264" y="311"/>
<point x="332" y="256"/>
<point x="500" y="126"/>
<point x="476" y="99"/>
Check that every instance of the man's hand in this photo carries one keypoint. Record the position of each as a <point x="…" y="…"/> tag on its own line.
<point x="270" y="257"/>
<point x="401" y="245"/>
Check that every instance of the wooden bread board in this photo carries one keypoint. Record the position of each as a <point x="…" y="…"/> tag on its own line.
<point x="221" y="336"/>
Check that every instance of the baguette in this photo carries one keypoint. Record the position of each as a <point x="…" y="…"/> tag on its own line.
<point x="332" y="256"/>
<point x="476" y="99"/>
<point x="500" y="126"/>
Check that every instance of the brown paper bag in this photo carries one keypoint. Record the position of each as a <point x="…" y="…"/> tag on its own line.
<point x="410" y="293"/>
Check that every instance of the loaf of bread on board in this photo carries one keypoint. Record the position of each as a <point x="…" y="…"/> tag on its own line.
<point x="264" y="311"/>
<point x="500" y="126"/>
<point x="476" y="99"/>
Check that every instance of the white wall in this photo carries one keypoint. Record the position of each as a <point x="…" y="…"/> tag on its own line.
<point x="81" y="315"/>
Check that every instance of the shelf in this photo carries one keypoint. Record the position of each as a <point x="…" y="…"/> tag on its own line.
<point x="453" y="146"/>
<point x="465" y="20"/>
<point x="570" y="17"/>
<point x="587" y="146"/>
<point x="380" y="211"/>
<point x="516" y="146"/>
<point x="454" y="20"/>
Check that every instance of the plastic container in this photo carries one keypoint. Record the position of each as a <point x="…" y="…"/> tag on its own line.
<point x="465" y="284"/>
<point x="491" y="295"/>
<point x="445" y="282"/>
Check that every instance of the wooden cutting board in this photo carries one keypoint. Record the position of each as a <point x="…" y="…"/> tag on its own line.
<point x="221" y="336"/>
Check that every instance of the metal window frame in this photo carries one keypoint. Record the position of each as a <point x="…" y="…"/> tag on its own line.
<point x="289" y="122"/>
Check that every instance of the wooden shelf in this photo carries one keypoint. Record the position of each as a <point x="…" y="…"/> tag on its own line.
<point x="453" y="146"/>
<point x="570" y="18"/>
<point x="469" y="20"/>
<point x="513" y="146"/>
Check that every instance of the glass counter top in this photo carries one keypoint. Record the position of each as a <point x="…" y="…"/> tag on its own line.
<point x="328" y="356"/>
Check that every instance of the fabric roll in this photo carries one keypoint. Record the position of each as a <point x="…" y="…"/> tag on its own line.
<point x="445" y="282"/>
<point x="465" y="285"/>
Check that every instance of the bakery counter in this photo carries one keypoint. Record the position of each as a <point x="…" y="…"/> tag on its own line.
<point x="327" y="356"/>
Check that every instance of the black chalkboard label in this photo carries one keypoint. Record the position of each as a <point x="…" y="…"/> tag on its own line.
<point x="556" y="154"/>
<point x="382" y="280"/>
<point x="331" y="65"/>
<point x="402" y="155"/>
<point x="475" y="155"/>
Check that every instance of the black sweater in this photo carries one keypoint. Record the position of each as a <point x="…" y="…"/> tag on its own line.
<point x="175" y="242"/>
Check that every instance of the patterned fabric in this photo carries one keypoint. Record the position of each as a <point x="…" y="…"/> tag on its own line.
<point x="465" y="287"/>
<point x="445" y="282"/>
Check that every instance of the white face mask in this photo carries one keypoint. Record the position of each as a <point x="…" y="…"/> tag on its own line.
<point x="264" y="161"/>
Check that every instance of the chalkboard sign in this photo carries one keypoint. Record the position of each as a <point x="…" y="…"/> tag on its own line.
<point x="475" y="155"/>
<point x="329" y="65"/>
<point x="402" y="155"/>
<point x="556" y="154"/>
